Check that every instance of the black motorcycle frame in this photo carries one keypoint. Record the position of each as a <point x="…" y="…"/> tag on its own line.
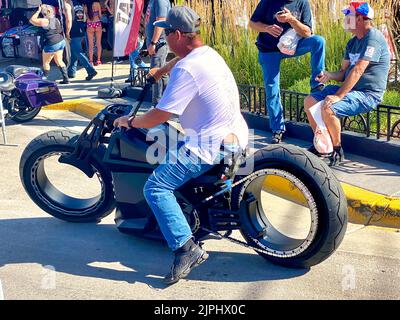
<point x="126" y="158"/>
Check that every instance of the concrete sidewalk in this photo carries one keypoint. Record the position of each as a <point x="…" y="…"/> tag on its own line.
<point x="372" y="187"/>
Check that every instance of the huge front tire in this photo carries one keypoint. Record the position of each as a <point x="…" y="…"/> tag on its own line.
<point x="36" y="176"/>
<point x="288" y="182"/>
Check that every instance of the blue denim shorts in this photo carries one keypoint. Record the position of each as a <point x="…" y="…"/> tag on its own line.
<point x="354" y="103"/>
<point x="55" y="47"/>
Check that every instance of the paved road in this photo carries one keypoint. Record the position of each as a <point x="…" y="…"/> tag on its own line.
<point x="44" y="258"/>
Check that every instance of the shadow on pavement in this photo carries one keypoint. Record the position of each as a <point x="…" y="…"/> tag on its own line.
<point x="50" y="122"/>
<point x="91" y="250"/>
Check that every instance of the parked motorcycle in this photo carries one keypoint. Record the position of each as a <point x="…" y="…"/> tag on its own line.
<point x="24" y="91"/>
<point x="289" y="208"/>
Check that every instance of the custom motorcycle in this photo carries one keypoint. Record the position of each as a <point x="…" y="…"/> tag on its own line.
<point x="281" y="201"/>
<point x="24" y="92"/>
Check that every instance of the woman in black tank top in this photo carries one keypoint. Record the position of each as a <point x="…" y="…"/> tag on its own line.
<point x="52" y="39"/>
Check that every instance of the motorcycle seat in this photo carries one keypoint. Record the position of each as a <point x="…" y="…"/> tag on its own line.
<point x="6" y="82"/>
<point x="16" y="70"/>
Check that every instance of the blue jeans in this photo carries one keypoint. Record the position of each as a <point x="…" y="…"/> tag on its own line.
<point x="77" y="54"/>
<point x="353" y="103"/>
<point x="157" y="61"/>
<point x="132" y="57"/>
<point x="178" y="168"/>
<point x="270" y="63"/>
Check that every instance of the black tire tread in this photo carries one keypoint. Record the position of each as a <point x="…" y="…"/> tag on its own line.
<point x="33" y="114"/>
<point x="329" y="186"/>
<point x="63" y="138"/>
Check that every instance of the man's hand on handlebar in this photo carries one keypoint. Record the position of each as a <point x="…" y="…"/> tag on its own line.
<point x="155" y="74"/>
<point x="123" y="122"/>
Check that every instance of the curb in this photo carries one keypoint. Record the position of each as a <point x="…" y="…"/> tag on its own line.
<point x="365" y="207"/>
<point x="85" y="107"/>
<point x="369" y="208"/>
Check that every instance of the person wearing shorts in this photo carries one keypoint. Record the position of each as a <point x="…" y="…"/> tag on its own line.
<point x="364" y="74"/>
<point x="52" y="39"/>
<point x="94" y="30"/>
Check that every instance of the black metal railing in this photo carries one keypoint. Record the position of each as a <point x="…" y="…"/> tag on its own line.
<point x="384" y="121"/>
<point x="394" y="71"/>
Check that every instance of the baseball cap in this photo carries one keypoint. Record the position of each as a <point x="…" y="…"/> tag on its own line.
<point x="180" y="18"/>
<point x="361" y="8"/>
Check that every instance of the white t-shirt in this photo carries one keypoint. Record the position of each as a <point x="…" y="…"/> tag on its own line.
<point x="203" y="92"/>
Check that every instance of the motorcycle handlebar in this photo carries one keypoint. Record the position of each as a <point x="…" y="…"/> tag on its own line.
<point x="141" y="97"/>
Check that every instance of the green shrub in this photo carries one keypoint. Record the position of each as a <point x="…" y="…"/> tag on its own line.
<point x="391" y="98"/>
<point x="302" y="86"/>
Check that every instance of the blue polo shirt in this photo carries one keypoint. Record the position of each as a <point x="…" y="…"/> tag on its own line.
<point x="266" y="13"/>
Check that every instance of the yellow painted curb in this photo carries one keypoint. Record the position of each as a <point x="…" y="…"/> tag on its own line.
<point x="365" y="207"/>
<point x="84" y="107"/>
<point x="369" y="208"/>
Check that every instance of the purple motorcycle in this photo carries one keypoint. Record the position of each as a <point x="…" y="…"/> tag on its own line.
<point x="24" y="92"/>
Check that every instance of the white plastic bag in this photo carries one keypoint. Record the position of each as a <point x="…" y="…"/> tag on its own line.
<point x="288" y="42"/>
<point x="322" y="139"/>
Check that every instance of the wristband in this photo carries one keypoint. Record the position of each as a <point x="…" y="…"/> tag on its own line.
<point x="153" y="43"/>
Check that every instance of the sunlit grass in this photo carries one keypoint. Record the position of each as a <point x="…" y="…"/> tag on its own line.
<point x="222" y="29"/>
<point x="236" y="44"/>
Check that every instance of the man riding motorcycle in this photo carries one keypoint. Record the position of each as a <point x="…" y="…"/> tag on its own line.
<point x="203" y="93"/>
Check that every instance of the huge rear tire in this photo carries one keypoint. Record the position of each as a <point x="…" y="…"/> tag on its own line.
<point x="323" y="197"/>
<point x="47" y="196"/>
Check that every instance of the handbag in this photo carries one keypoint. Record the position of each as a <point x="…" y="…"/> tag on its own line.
<point x="322" y="139"/>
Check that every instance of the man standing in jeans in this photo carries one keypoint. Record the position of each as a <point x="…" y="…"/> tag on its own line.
<point x="157" y="46"/>
<point x="272" y="18"/>
<point x="77" y="34"/>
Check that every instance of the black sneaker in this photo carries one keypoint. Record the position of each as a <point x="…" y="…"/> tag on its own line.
<point x="186" y="258"/>
<point x="91" y="76"/>
<point x="277" y="137"/>
<point x="318" y="154"/>
<point x="336" y="156"/>
<point x="64" y="81"/>
<point x="71" y="76"/>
